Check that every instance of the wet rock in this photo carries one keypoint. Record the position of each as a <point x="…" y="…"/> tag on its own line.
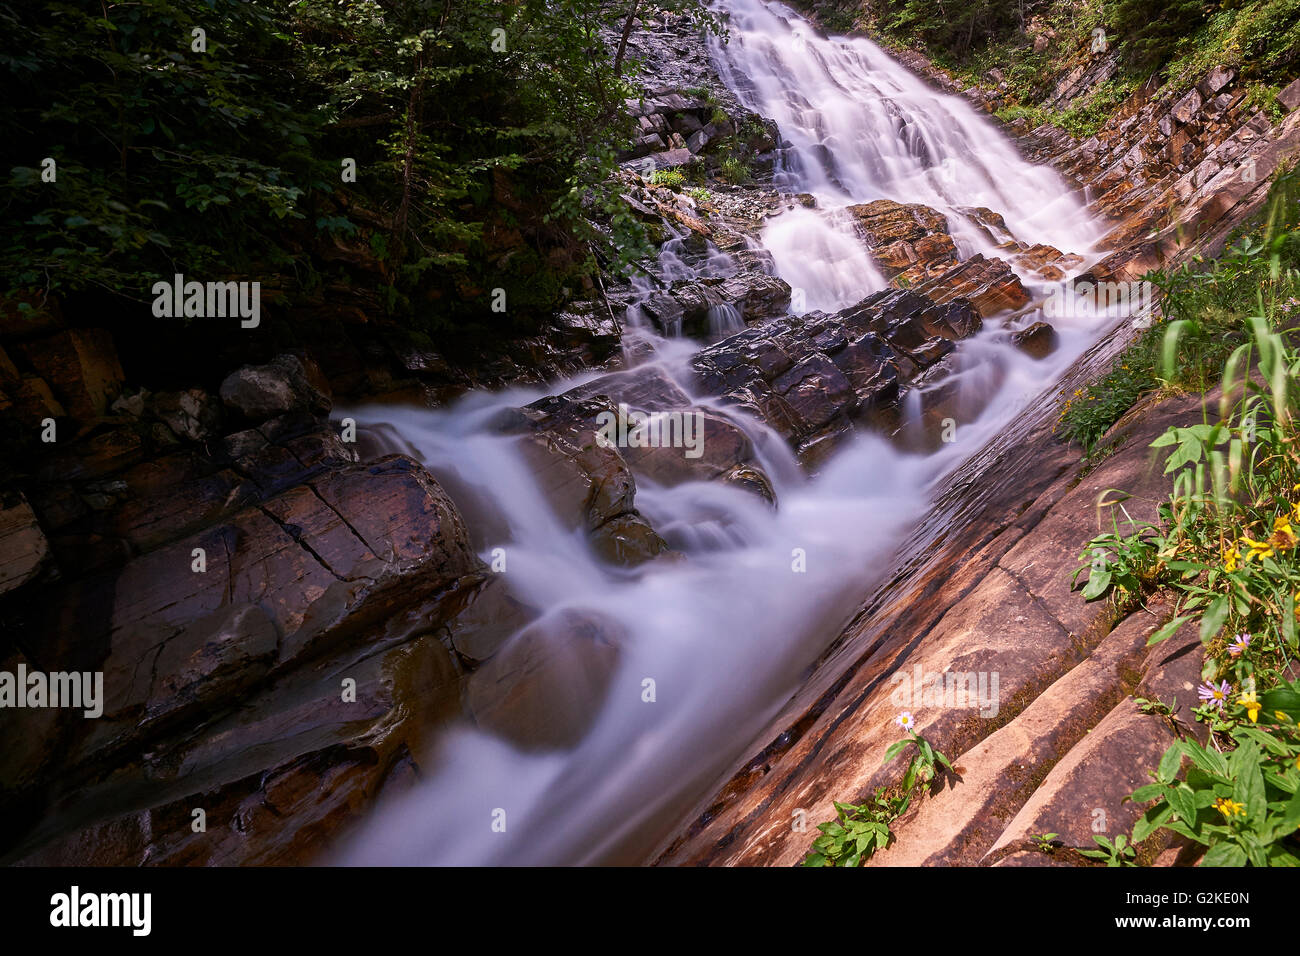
<point x="1038" y="340"/>
<point x="693" y="444"/>
<point x="627" y="540"/>
<point x="544" y="689"/>
<point x="691" y="307"/>
<point x="212" y="662"/>
<point x="988" y="284"/>
<point x="809" y="376"/>
<point x="320" y="560"/>
<point x="586" y="482"/>
<point x="905" y="240"/>
<point x="279" y="779"/>
<point x="490" y="617"/>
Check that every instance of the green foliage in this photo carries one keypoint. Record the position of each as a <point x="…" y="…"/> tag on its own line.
<point x="1243" y="806"/>
<point x="672" y="178"/>
<point x="858" y="831"/>
<point x="952" y="29"/>
<point x="1117" y="853"/>
<point x="1090" y="411"/>
<point x="162" y="153"/>
<point x="1149" y="29"/>
<point x="484" y="134"/>
<point x="1259" y="37"/>
<point x="1044" y="842"/>
<point x="1226" y="546"/>
<point x="1203" y="303"/>
<point x="735" y="171"/>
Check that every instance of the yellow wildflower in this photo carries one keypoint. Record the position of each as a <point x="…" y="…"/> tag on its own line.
<point x="1229" y="808"/>
<point x="1258" y="549"/>
<point x="1230" y="559"/>
<point x="1280" y="716"/>
<point x="1252" y="705"/>
<point x="1283" y="536"/>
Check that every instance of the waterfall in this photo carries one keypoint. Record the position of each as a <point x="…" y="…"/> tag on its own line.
<point x="726" y="633"/>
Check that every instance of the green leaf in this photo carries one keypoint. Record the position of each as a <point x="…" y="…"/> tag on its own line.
<point x="1210" y="761"/>
<point x="1224" y="854"/>
<point x="1181" y="800"/>
<point x="1284" y="699"/>
<point x="1098" y="582"/>
<point x="1170" y="763"/>
<point x="895" y="749"/>
<point x="1168" y="630"/>
<point x="1250" y="789"/>
<point x="1151" y="791"/>
<point x="1213" y="618"/>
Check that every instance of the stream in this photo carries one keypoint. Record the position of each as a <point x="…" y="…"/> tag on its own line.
<point x="728" y="633"/>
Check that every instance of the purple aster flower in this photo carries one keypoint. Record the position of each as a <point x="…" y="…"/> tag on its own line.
<point x="1214" y="696"/>
<point x="1238" y="647"/>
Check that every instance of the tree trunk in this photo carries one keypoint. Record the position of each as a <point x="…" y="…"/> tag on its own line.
<point x="622" y="40"/>
<point x="413" y="111"/>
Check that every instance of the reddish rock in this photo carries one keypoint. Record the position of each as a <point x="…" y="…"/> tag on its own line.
<point x="23" y="548"/>
<point x="1038" y="340"/>
<point x="988" y="284"/>
<point x="81" y="367"/>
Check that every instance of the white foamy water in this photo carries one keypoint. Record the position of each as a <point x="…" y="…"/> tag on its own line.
<point x="726" y="633"/>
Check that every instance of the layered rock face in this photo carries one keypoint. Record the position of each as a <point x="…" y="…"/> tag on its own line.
<point x="269" y="616"/>
<point x="1179" y="169"/>
<point x="810" y="377"/>
<point x="1176" y="168"/>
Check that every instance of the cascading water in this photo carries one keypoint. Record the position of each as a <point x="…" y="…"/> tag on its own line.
<point x="726" y="633"/>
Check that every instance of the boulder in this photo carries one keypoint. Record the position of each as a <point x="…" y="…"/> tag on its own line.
<point x="287" y="384"/>
<point x="692" y="307"/>
<point x="1038" y="340"/>
<point x="712" y="447"/>
<point x="1289" y="98"/>
<point x="906" y="240"/>
<point x="192" y="414"/>
<point x="544" y="689"/>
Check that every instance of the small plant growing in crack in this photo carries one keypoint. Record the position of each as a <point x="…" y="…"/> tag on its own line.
<point x="1157" y="707"/>
<point x="1118" y="853"/>
<point x="1045" y="842"/>
<point x="858" y="831"/>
